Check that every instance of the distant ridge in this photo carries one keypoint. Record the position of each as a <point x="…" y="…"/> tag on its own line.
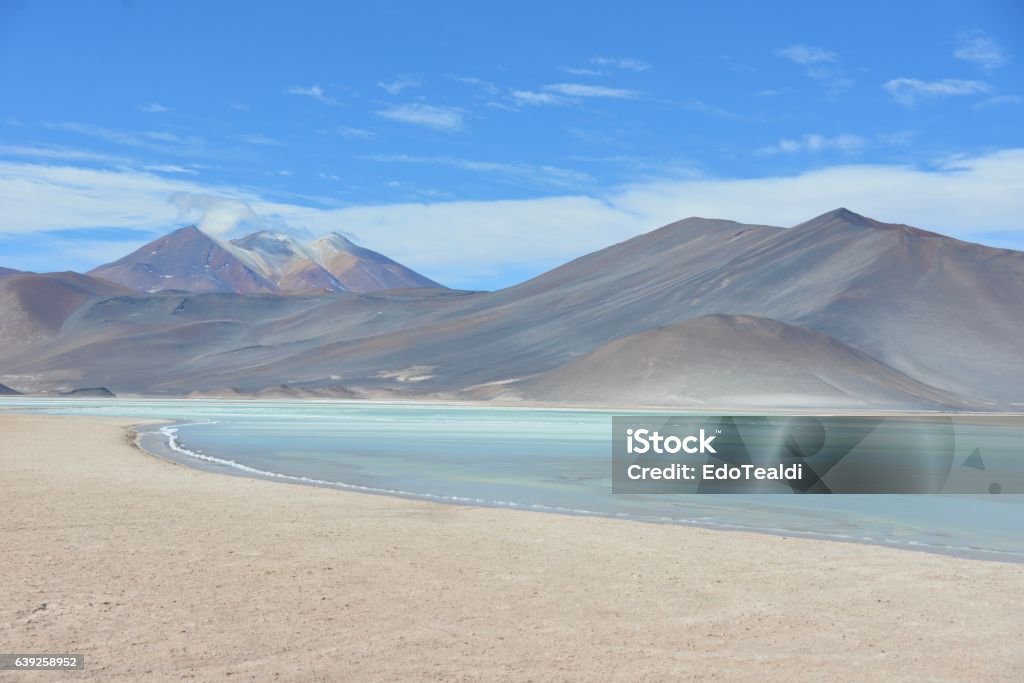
<point x="91" y="392"/>
<point x="860" y="314"/>
<point x="7" y="391"/>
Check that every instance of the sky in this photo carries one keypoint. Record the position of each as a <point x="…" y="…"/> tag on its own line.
<point x="483" y="143"/>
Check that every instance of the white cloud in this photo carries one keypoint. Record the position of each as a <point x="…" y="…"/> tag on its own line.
<point x="813" y="142"/>
<point x="399" y="84"/>
<point x="40" y="197"/>
<point x="153" y="108"/>
<point x="585" y="90"/>
<point x="981" y="49"/>
<point x="314" y="91"/>
<point x="212" y="214"/>
<point x="910" y="91"/>
<point x="459" y="241"/>
<point x="806" y="54"/>
<point x="447" y="119"/>
<point x="627" y="63"/>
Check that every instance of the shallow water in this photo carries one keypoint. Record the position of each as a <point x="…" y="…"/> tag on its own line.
<point x="542" y="459"/>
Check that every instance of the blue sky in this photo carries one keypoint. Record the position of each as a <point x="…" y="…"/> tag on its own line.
<point x="481" y="144"/>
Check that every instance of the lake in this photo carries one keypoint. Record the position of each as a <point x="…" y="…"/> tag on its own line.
<point x="550" y="460"/>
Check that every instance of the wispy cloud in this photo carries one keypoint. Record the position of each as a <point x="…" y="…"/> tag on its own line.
<point x="812" y="142"/>
<point x="448" y="119"/>
<point x="484" y="85"/>
<point x="146" y="139"/>
<point x="60" y="153"/>
<point x="586" y="90"/>
<point x="562" y="94"/>
<point x="627" y="63"/>
<point x="399" y="84"/>
<point x="806" y="54"/>
<point x="711" y="110"/>
<point x="260" y="139"/>
<point x="900" y="138"/>
<point x="539" y="98"/>
<point x="980" y="49"/>
<point x="351" y="132"/>
<point x="314" y="91"/>
<point x="116" y="137"/>
<point x="171" y="168"/>
<point x="910" y="91"/>
<point x="152" y="108"/>
<point x="581" y="71"/>
<point x="821" y="65"/>
<point x="542" y="175"/>
<point x="999" y="100"/>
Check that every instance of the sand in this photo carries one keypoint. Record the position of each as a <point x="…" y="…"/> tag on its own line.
<point x="155" y="571"/>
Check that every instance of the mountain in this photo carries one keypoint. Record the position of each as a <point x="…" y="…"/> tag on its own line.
<point x="363" y="270"/>
<point x="34" y="306"/>
<point x="286" y="263"/>
<point x="4" y="272"/>
<point x="186" y="259"/>
<point x="192" y="261"/>
<point x="729" y="361"/>
<point x="926" y="319"/>
<point x="7" y="391"/>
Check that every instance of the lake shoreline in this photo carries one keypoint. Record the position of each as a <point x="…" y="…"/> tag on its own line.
<point x="158" y="448"/>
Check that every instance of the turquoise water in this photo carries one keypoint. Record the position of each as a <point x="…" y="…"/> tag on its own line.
<point x="539" y="459"/>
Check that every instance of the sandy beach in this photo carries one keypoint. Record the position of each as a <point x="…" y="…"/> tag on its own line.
<point x="154" y="571"/>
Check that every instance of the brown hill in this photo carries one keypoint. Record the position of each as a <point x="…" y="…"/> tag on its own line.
<point x="34" y="306"/>
<point x="732" y="362"/>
